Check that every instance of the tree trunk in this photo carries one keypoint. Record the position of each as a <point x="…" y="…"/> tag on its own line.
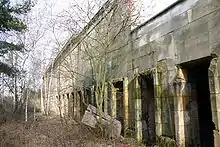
<point x="42" y="100"/>
<point x="34" y="113"/>
<point x="15" y="101"/>
<point x="26" y="107"/>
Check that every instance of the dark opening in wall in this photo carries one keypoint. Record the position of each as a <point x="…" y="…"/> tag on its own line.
<point x="72" y="103"/>
<point x="88" y="96"/>
<point x="80" y="101"/>
<point x="120" y="103"/>
<point x="197" y="72"/>
<point x="64" y="105"/>
<point x="68" y="104"/>
<point x="148" y="109"/>
<point x="103" y="105"/>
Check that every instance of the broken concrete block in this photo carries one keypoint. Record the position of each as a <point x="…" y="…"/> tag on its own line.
<point x="112" y="126"/>
<point x="89" y="119"/>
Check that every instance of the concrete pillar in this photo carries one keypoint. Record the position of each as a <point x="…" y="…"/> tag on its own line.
<point x="71" y="105"/>
<point x="75" y="104"/>
<point x="113" y="101"/>
<point x="158" y="109"/>
<point x="125" y="96"/>
<point x="59" y="105"/>
<point x="138" y="110"/>
<point x="179" y="115"/>
<point x="179" y="106"/>
<point x="214" y="86"/>
<point x="62" y="105"/>
<point x="82" y="103"/>
<point x="65" y="104"/>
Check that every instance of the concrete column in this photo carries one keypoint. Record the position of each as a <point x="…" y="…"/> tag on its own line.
<point x="214" y="86"/>
<point x="59" y="105"/>
<point x="179" y="107"/>
<point x="82" y="104"/>
<point x="158" y="109"/>
<point x="71" y="105"/>
<point x="62" y="105"/>
<point x="65" y="104"/>
<point x="75" y="104"/>
<point x="113" y="101"/>
<point x="138" y="110"/>
<point x="106" y="98"/>
<point x="179" y="115"/>
<point x="125" y="96"/>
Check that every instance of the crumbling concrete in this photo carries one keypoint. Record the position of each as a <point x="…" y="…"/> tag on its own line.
<point x="111" y="125"/>
<point x="185" y="34"/>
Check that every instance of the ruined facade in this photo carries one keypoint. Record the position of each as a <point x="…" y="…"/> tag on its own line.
<point x="162" y="77"/>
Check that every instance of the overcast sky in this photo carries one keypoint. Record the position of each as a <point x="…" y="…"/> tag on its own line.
<point x="46" y="14"/>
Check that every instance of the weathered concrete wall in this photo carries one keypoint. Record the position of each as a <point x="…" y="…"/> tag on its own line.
<point x="188" y="31"/>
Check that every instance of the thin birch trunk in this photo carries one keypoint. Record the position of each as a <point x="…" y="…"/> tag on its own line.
<point x="34" y="113"/>
<point x="42" y="100"/>
<point x="35" y="97"/>
<point x="26" y="106"/>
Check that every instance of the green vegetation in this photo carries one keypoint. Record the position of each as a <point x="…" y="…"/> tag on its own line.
<point x="10" y="21"/>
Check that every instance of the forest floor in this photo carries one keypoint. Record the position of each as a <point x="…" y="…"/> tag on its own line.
<point x="53" y="132"/>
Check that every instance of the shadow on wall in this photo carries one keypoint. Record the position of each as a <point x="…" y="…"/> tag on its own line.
<point x="188" y="95"/>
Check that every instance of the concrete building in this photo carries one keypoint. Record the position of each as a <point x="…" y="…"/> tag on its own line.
<point x="162" y="76"/>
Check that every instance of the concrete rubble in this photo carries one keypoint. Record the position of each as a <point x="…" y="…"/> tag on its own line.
<point x="111" y="125"/>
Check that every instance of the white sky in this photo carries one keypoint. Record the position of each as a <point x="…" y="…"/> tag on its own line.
<point x="149" y="8"/>
<point x="45" y="13"/>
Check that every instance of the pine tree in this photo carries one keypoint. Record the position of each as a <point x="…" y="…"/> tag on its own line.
<point x="10" y="21"/>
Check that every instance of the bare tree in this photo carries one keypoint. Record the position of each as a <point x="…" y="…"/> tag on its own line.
<point x="87" y="56"/>
<point x="30" y="62"/>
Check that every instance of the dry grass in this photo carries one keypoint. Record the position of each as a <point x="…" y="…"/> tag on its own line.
<point x="46" y="133"/>
<point x="51" y="132"/>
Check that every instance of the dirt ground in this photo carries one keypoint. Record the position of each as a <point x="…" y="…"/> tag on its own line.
<point x="52" y="132"/>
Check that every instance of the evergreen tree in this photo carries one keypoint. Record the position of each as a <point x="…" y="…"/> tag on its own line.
<point x="10" y="21"/>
